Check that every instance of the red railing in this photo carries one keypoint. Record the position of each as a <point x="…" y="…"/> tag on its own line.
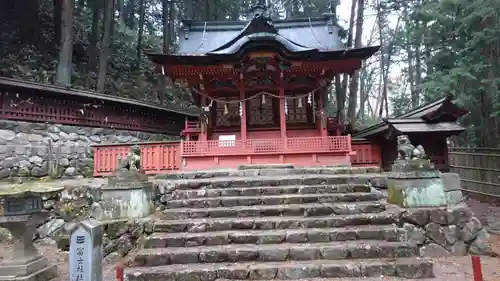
<point x="162" y="157"/>
<point x="266" y="146"/>
<point x="156" y="158"/>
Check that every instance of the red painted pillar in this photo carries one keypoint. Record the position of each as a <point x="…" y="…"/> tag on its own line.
<point x="476" y="268"/>
<point x="244" y="113"/>
<point x="119" y="272"/>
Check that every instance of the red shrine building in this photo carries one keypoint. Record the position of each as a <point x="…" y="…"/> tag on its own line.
<point x="261" y="86"/>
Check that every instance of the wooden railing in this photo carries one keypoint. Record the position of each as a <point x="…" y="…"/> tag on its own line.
<point x="266" y="146"/>
<point x="163" y="157"/>
<point x="157" y="157"/>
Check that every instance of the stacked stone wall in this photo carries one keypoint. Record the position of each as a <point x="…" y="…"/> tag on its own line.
<point x="39" y="149"/>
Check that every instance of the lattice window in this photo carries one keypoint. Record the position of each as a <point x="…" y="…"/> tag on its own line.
<point x="296" y="114"/>
<point x="260" y="114"/>
<point x="231" y="119"/>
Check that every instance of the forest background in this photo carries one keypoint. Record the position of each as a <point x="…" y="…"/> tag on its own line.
<point x="429" y="49"/>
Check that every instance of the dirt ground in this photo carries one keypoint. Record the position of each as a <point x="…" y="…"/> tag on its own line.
<point x="455" y="268"/>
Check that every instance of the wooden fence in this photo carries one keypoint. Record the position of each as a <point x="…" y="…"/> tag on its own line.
<point x="479" y="169"/>
<point x="165" y="157"/>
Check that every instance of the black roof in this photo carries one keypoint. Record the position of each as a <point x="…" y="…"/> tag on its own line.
<point x="220" y="41"/>
<point x="308" y="33"/>
<point x="437" y="116"/>
<point x="15" y="83"/>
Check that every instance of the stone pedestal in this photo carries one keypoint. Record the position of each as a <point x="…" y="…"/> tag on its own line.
<point x="26" y="262"/>
<point x="415" y="183"/>
<point x="128" y="195"/>
<point x="21" y="213"/>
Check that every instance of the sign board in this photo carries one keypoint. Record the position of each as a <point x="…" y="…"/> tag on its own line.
<point x="227" y="140"/>
<point x="85" y="251"/>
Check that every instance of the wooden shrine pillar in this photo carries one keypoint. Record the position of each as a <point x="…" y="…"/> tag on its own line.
<point x="282" y="113"/>
<point x="243" y="105"/>
<point x="322" y="122"/>
<point x="203" y="123"/>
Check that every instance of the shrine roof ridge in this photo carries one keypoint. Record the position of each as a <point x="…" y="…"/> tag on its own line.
<point x="428" y="117"/>
<point x="239" y="24"/>
<point x="16" y="83"/>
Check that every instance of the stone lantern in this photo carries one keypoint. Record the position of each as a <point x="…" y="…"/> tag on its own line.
<point x="21" y="212"/>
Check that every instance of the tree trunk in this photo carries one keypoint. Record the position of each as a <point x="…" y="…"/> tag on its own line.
<point x="121" y="12"/>
<point x="341" y="87"/>
<point x="166" y="26"/>
<point x="171" y="19"/>
<point x="411" y="68"/>
<point x="207" y="10"/>
<point x="94" y="35"/>
<point x="64" y="67"/>
<point x="109" y="21"/>
<point x="142" y="12"/>
<point x="57" y="21"/>
<point x="353" y="87"/>
<point x="418" y="65"/>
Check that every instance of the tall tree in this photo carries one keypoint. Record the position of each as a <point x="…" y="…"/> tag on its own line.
<point x="167" y="12"/>
<point x="109" y="22"/>
<point x="64" y="67"/>
<point x="94" y="35"/>
<point x="354" y="85"/>
<point x="142" y="14"/>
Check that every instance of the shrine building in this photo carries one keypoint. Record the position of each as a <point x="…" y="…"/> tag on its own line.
<point x="261" y="85"/>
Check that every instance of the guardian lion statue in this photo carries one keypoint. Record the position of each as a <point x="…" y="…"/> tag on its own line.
<point x="406" y="150"/>
<point x="132" y="161"/>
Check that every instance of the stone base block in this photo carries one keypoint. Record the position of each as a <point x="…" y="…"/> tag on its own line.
<point x="32" y="270"/>
<point x="44" y="274"/>
<point x="125" y="203"/>
<point x="452" y="187"/>
<point x="415" y="193"/>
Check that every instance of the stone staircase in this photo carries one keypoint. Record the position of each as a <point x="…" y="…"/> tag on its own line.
<point x="275" y="224"/>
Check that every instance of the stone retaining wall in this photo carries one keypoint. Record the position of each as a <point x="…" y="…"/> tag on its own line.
<point x="39" y="149"/>
<point x="445" y="231"/>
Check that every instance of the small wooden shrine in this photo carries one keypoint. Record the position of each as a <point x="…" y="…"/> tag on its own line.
<point x="429" y="125"/>
<point x="261" y="87"/>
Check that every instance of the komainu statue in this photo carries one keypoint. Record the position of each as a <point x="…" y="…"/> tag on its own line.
<point x="132" y="161"/>
<point x="407" y="151"/>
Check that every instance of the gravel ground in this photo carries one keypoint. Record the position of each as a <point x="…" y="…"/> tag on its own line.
<point x="455" y="268"/>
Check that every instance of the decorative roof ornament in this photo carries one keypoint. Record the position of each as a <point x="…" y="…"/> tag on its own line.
<point x="260" y="9"/>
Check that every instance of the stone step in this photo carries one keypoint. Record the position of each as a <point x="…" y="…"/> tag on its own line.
<point x="268" y="171"/>
<point x="252" y="181"/>
<point x="411" y="268"/>
<point x="270" y="190"/>
<point x="232" y="201"/>
<point x="306" y="210"/>
<point x="258" y="237"/>
<point x="276" y="222"/>
<point x="357" y="249"/>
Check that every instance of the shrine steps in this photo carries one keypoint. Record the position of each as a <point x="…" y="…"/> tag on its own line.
<point x="272" y="236"/>
<point x="291" y="226"/>
<point x="307" y="210"/>
<point x="411" y="268"/>
<point x="269" y="190"/>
